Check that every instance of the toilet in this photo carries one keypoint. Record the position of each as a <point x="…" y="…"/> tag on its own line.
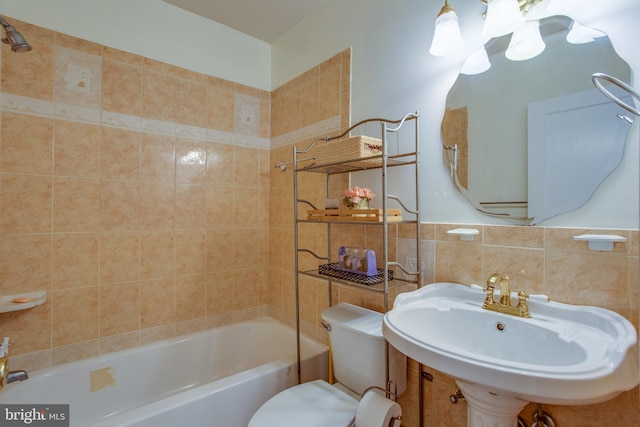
<point x="358" y="356"/>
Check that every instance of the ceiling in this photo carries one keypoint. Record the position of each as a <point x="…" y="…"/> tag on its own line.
<point x="264" y="20"/>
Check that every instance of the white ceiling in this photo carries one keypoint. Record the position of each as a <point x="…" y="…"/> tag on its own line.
<point x="266" y="20"/>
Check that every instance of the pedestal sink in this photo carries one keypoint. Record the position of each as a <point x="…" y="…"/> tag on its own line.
<point x="563" y="355"/>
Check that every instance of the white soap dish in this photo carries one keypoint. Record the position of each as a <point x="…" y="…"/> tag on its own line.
<point x="600" y="242"/>
<point x="466" y="234"/>
<point x="24" y="301"/>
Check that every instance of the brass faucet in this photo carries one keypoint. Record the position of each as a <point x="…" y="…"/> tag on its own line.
<point x="6" y="376"/>
<point x="504" y="304"/>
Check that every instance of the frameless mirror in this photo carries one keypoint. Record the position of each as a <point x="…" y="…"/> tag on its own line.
<point x="528" y="140"/>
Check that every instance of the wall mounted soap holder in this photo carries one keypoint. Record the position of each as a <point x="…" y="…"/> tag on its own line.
<point x="22" y="301"/>
<point x="600" y="242"/>
<point x="466" y="234"/>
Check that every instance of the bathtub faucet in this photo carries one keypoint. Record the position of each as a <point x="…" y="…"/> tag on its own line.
<point x="20" y="375"/>
<point x="6" y="376"/>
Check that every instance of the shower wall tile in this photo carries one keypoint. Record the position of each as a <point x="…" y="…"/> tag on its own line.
<point x="191" y="162"/>
<point x="76" y="205"/>
<point x="119" y="255"/>
<point x="32" y="74"/>
<point x="157" y="206"/>
<point x="26" y="263"/>
<point x="76" y="260"/>
<point x="220" y="165"/>
<point x="122" y="86"/>
<point x="27" y="144"/>
<point x="74" y="315"/>
<point x="190" y="207"/>
<point x="220" y="101"/>
<point x="157" y="303"/>
<point x="119" y="206"/>
<point x="191" y="103"/>
<point x="119" y="154"/>
<point x="67" y="41"/>
<point x="76" y="149"/>
<point x="119" y="308"/>
<point x="190" y="297"/>
<point x="26" y="203"/>
<point x="159" y="96"/>
<point x="156" y="254"/>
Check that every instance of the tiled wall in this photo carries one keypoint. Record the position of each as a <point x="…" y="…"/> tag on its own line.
<point x="135" y="193"/>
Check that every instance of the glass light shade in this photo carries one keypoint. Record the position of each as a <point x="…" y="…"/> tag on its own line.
<point x="526" y="42"/>
<point x="447" y="39"/>
<point x="503" y="17"/>
<point x="579" y="34"/>
<point x="476" y="63"/>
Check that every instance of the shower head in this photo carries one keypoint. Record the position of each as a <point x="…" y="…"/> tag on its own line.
<point x="13" y="38"/>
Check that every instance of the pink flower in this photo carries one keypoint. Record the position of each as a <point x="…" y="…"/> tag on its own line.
<point x="358" y="193"/>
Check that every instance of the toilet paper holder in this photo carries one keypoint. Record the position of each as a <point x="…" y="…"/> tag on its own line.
<point x="388" y="393"/>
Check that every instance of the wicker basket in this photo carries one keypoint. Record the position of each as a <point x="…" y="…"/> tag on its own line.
<point x="356" y="147"/>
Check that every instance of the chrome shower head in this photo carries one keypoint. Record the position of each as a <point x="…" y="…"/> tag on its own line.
<point x="13" y="38"/>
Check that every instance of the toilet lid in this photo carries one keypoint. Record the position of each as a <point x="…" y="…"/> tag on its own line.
<point x="312" y="404"/>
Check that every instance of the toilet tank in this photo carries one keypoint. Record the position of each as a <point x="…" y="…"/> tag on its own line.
<point x="358" y="349"/>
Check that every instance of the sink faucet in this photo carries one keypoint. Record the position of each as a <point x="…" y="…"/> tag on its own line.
<point x="504" y="303"/>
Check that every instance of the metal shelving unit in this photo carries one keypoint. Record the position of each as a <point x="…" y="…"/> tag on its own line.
<point x="385" y="163"/>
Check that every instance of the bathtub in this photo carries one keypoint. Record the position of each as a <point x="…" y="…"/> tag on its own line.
<point x="218" y="377"/>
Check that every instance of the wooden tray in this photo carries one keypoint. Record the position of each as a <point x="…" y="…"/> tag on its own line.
<point x="371" y="215"/>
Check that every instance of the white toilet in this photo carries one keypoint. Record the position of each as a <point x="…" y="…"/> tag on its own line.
<point x="358" y="354"/>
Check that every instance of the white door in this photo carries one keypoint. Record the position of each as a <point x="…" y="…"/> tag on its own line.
<point x="574" y="142"/>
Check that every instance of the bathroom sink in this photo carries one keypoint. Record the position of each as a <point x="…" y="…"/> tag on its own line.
<point x="564" y="354"/>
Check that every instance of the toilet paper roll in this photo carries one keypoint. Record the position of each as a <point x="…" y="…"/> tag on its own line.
<point x="374" y="410"/>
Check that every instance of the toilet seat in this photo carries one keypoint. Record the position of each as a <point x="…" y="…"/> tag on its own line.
<point x="313" y="404"/>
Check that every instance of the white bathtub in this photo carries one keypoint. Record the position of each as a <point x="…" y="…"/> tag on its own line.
<point x="214" y="378"/>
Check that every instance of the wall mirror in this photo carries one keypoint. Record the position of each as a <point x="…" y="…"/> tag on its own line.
<point x="527" y="140"/>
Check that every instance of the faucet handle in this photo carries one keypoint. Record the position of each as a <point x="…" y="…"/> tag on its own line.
<point x="522" y="304"/>
<point x="4" y="347"/>
<point x="489" y="298"/>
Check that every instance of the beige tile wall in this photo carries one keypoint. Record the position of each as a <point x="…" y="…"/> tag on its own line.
<point x="134" y="192"/>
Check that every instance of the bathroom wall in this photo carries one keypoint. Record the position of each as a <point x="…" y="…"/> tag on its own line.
<point x="134" y="192"/>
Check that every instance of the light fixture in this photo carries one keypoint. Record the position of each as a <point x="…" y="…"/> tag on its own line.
<point x="503" y="17"/>
<point x="579" y="34"/>
<point x="447" y="39"/>
<point x="526" y="42"/>
<point x="476" y="63"/>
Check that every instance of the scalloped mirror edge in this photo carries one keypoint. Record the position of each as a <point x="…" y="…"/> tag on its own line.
<point x="526" y="153"/>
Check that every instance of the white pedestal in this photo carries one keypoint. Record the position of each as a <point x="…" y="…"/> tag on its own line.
<point x="485" y="409"/>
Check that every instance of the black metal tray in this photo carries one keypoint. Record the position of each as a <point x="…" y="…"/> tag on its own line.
<point x="333" y="271"/>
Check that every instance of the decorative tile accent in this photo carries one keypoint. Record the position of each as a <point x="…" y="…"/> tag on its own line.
<point x="25" y="105"/>
<point x="78" y="78"/>
<point x="76" y="113"/>
<point x="121" y="121"/>
<point x="324" y="127"/>
<point x="247" y="115"/>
